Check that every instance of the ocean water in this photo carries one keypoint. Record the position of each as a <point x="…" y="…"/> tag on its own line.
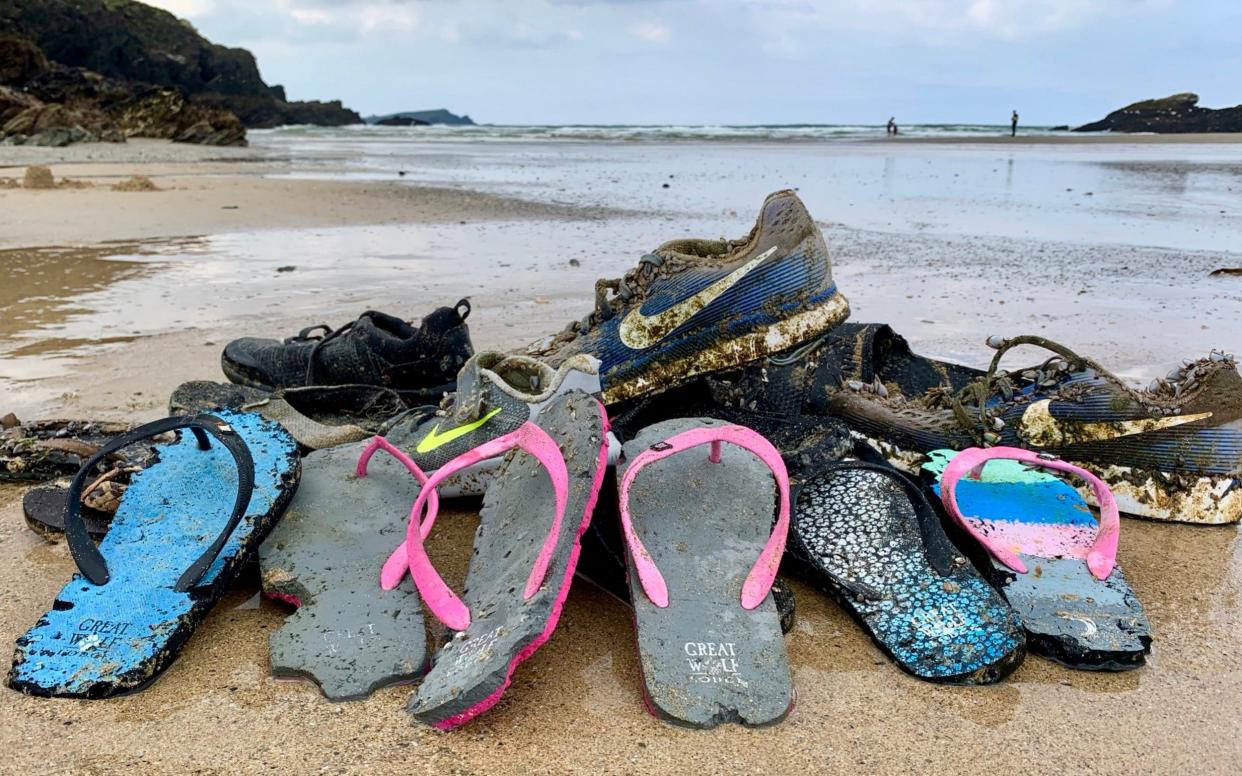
<point x="649" y="132"/>
<point x="1170" y="195"/>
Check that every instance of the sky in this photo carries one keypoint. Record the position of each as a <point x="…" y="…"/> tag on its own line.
<point x="737" y="61"/>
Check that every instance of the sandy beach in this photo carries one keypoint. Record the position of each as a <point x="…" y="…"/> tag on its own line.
<point x="113" y="298"/>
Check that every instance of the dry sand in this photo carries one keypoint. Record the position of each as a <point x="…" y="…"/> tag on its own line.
<point x="576" y="706"/>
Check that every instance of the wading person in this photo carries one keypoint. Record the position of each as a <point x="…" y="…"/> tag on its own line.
<point x="1013" y="124"/>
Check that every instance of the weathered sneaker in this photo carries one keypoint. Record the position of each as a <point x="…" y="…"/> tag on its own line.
<point x="696" y="306"/>
<point x="496" y="393"/>
<point x="1172" y="451"/>
<point x="376" y="349"/>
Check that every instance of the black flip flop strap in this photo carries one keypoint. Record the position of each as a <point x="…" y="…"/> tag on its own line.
<point x="943" y="555"/>
<point x="91" y="562"/>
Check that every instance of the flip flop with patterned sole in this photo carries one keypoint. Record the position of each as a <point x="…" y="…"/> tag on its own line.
<point x="874" y="544"/>
<point x="348" y="635"/>
<point x="698" y="500"/>
<point x="187" y="526"/>
<point x="1049" y="557"/>
<point x="525" y="551"/>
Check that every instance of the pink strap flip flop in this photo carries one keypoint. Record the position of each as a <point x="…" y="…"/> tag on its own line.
<point x="525" y="551"/>
<point x="1053" y="562"/>
<point x="706" y="532"/>
<point x="1101" y="555"/>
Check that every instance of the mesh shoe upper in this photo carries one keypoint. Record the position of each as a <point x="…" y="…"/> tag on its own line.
<point x="496" y="393"/>
<point x="695" y="306"/>
<point x="376" y="349"/>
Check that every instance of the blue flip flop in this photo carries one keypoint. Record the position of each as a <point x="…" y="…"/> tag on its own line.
<point x="185" y="529"/>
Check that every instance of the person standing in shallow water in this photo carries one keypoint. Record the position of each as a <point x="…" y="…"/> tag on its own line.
<point x="891" y="129"/>
<point x="1013" y="124"/>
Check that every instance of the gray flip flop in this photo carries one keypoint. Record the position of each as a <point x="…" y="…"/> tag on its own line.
<point x="522" y="565"/>
<point x="709" y="634"/>
<point x="348" y="635"/>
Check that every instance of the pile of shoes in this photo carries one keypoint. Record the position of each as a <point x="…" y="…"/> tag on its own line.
<point x="713" y="421"/>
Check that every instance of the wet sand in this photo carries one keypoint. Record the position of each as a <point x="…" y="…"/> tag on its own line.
<point x="1188" y="138"/>
<point x="109" y="330"/>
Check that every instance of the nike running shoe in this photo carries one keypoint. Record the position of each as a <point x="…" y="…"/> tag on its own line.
<point x="695" y="306"/>
<point x="1172" y="451"/>
<point x="496" y="393"/>
<point x="376" y="349"/>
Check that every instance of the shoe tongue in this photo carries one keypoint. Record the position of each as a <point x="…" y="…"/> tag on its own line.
<point x="486" y="375"/>
<point x="382" y="324"/>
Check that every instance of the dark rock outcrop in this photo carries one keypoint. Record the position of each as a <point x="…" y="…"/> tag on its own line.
<point x="437" y="116"/>
<point x="127" y="41"/>
<point x="165" y="113"/>
<point x="263" y="113"/>
<point x="20" y="60"/>
<point x="401" y="121"/>
<point x="61" y="105"/>
<point x="1177" y="113"/>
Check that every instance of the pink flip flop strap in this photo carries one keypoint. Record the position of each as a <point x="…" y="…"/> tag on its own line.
<point x="1103" y="554"/>
<point x="380" y="443"/>
<point x="412" y="555"/>
<point x="763" y="573"/>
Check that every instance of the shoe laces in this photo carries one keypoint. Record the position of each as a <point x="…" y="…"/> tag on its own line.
<point x="329" y="335"/>
<point x="623" y="289"/>
<point x="971" y="405"/>
<point x="308" y="335"/>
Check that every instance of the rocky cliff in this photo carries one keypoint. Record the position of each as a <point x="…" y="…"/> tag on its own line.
<point x="128" y="41"/>
<point x="1178" y="113"/>
<point x="46" y="103"/>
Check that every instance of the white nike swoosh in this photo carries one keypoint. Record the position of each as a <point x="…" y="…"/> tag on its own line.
<point x="1040" y="429"/>
<point x="640" y="331"/>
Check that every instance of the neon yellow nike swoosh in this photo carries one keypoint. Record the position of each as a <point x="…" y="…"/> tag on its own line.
<point x="1040" y="429"/>
<point x="640" y="331"/>
<point x="435" y="439"/>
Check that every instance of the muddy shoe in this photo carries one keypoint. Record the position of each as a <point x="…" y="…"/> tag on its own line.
<point x="694" y="306"/>
<point x="45" y="505"/>
<point x="375" y="349"/>
<point x="496" y="394"/>
<point x="318" y="416"/>
<point x="1172" y="451"/>
<point x="1046" y="554"/>
<point x="43" y="450"/>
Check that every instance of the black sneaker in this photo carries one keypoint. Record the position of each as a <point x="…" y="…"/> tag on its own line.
<point x="377" y="349"/>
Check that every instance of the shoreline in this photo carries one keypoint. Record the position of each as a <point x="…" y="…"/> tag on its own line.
<point x="1189" y="138"/>
<point x="200" y="194"/>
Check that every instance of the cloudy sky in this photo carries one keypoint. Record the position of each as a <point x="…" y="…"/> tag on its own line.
<point x="737" y="61"/>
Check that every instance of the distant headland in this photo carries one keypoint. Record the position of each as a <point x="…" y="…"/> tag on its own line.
<point x="418" y="118"/>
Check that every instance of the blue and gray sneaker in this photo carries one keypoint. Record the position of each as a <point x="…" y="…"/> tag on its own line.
<point x="697" y="306"/>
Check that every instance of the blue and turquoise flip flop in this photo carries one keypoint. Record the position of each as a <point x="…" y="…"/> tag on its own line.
<point x="184" y="530"/>
<point x="1047" y="554"/>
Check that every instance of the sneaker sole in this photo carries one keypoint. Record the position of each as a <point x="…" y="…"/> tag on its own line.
<point x="726" y="354"/>
<point x="1164" y="496"/>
